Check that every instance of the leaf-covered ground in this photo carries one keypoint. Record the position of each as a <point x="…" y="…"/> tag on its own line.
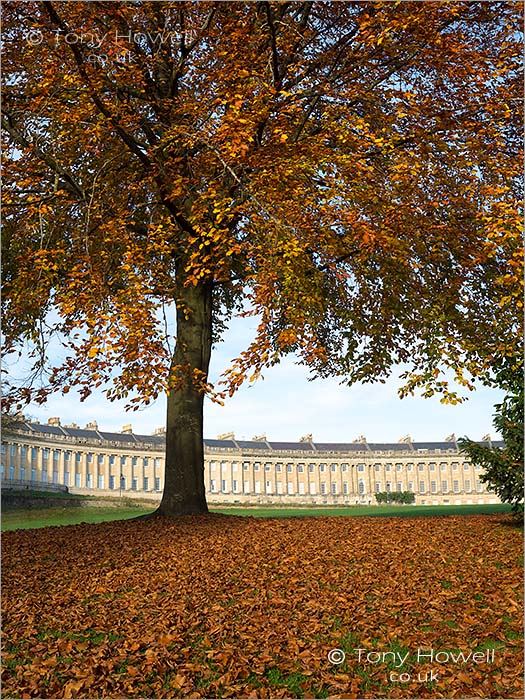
<point x="221" y="606"/>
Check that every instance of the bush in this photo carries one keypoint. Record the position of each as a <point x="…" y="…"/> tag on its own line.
<point x="395" y="497"/>
<point x="503" y="467"/>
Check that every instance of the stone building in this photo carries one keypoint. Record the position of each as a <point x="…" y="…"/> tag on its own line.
<point x="93" y="461"/>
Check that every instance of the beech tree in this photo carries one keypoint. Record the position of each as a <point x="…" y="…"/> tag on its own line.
<point x="348" y="173"/>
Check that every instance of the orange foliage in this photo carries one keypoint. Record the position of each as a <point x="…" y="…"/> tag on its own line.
<point x="351" y="169"/>
<point x="218" y="606"/>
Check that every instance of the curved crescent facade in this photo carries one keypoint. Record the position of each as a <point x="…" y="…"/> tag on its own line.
<point x="93" y="461"/>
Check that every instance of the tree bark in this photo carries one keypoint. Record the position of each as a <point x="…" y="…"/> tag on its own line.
<point x="184" y="489"/>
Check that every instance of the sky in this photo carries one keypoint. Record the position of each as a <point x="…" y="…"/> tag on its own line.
<point x="285" y="405"/>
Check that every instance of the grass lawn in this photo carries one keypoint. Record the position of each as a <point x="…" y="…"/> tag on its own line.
<point x="44" y="517"/>
<point x="369" y="511"/>
<point x="220" y="606"/>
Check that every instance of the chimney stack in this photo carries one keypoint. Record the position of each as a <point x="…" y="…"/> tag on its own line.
<point x="53" y="421"/>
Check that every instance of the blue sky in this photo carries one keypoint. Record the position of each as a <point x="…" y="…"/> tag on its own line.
<point x="285" y="406"/>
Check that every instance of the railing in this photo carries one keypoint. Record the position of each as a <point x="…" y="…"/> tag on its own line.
<point x="25" y="485"/>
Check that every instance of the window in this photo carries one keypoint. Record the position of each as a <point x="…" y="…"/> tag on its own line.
<point x="378" y="487"/>
<point x="257" y="487"/>
<point x="100" y="481"/>
<point x="290" y="490"/>
<point x="89" y="481"/>
<point x="111" y="460"/>
<point x="333" y="467"/>
<point x="300" y="468"/>
<point x="361" y="487"/>
<point x="345" y="488"/>
<point x="269" y="487"/>
<point x="466" y="466"/>
<point x="334" y="489"/>
<point x="44" y="476"/>
<point x="223" y="485"/>
<point x="289" y="468"/>
<point x="66" y="478"/>
<point x="122" y="461"/>
<point x="301" y="489"/>
<point x="467" y="485"/>
<point x="311" y="467"/>
<point x="156" y="465"/>
<point x="23" y="451"/>
<point x="421" y="487"/>
<point x="444" y="486"/>
<point x="235" y="466"/>
<point x="443" y="466"/>
<point x="399" y="486"/>
<point x="409" y="467"/>
<point x="22" y="473"/>
<point x="246" y="487"/>
<point x="224" y="465"/>
<point x="388" y="486"/>
<point x="256" y="466"/>
<point x="421" y="466"/>
<point x="145" y="463"/>
<point x="235" y="486"/>
<point x="45" y="453"/>
<point x="111" y="483"/>
<point x="278" y="467"/>
<point x="33" y="474"/>
<point x="323" y="488"/>
<point x="479" y="486"/>
<point x="213" y="485"/>
<point x="89" y="457"/>
<point x="312" y="490"/>
<point x="67" y="455"/>
<point x="78" y="457"/>
<point x="134" y="484"/>
<point x="55" y="477"/>
<point x="100" y="459"/>
<point x="361" y="467"/>
<point x="399" y="467"/>
<point x="456" y="486"/>
<point x="377" y="467"/>
<point x="134" y="461"/>
<point x="455" y="466"/>
<point x="411" y="486"/>
<point x="11" y="472"/>
<point x="432" y="466"/>
<point x="56" y="455"/>
<point x="245" y="465"/>
<point x="145" y="484"/>
<point x="77" y="479"/>
<point x="433" y="487"/>
<point x="279" y="488"/>
<point x="267" y="467"/>
<point x="122" y="482"/>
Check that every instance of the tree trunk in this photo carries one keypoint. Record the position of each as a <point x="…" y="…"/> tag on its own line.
<point x="184" y="491"/>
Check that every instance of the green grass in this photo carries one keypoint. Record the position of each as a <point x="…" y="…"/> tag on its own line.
<point x="45" y="517"/>
<point x="29" y="493"/>
<point x="374" y="511"/>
